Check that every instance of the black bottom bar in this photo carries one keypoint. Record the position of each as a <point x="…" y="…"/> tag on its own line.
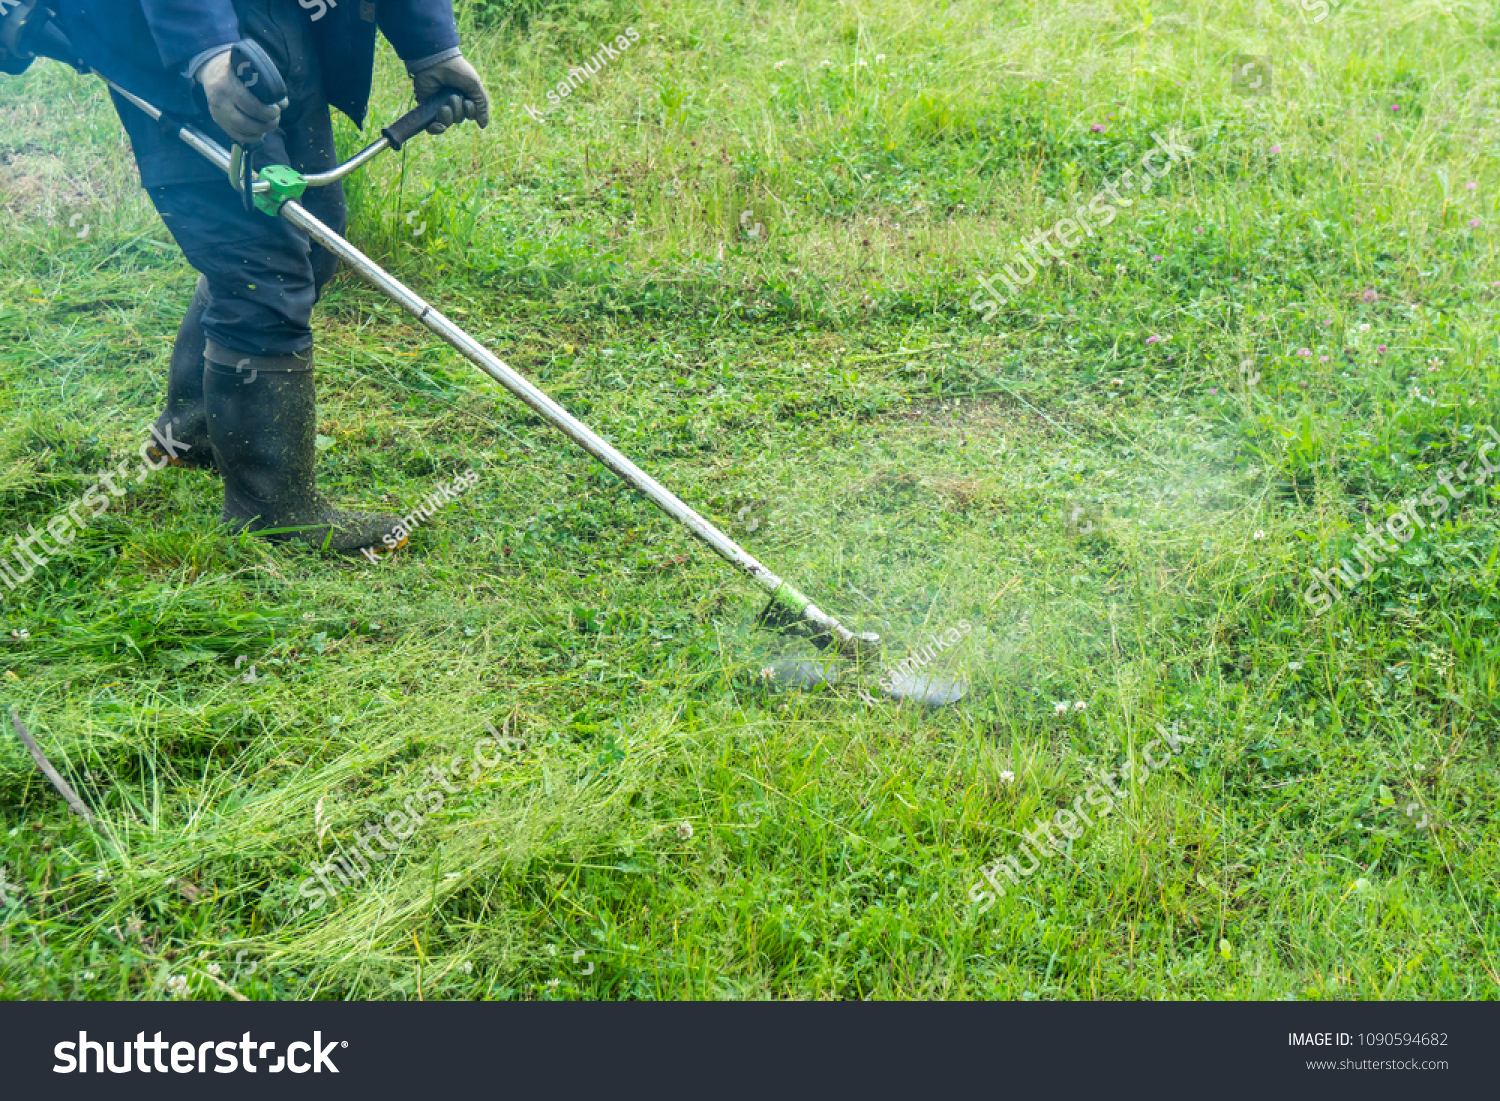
<point x="384" y="1050"/>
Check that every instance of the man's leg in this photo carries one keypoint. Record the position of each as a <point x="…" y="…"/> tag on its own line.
<point x="259" y="269"/>
<point x="264" y="276"/>
<point x="305" y="141"/>
<point x="184" y="419"/>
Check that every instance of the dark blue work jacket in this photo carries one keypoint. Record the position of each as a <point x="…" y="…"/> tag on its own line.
<point x="145" y="45"/>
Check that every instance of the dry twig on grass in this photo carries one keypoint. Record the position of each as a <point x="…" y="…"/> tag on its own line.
<point x="63" y="787"/>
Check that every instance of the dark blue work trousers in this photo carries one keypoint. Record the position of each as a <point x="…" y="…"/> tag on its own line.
<point x="264" y="275"/>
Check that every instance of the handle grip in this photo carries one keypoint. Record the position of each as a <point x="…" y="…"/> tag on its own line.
<point x="424" y="115"/>
<point x="257" y="72"/>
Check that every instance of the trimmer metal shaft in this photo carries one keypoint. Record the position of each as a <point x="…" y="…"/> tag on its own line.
<point x="788" y="600"/>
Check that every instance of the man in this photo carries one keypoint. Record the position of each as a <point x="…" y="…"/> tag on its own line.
<point x="240" y="390"/>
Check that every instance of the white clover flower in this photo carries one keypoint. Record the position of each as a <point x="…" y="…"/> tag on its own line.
<point x="1080" y="706"/>
<point x="1294" y="665"/>
<point x="1007" y="776"/>
<point x="1364" y="328"/>
<point x="685" y="830"/>
<point x="825" y="63"/>
<point x="215" y="970"/>
<point x="879" y="58"/>
<point x="177" y="986"/>
<point x="782" y="64"/>
<point x="1259" y="535"/>
<point x="468" y="968"/>
<point x="1060" y="708"/>
<point x="88" y="975"/>
<point x="767" y="673"/>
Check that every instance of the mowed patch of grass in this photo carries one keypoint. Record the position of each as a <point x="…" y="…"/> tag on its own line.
<point x="744" y="251"/>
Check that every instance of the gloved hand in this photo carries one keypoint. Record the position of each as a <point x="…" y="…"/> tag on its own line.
<point x="233" y="106"/>
<point x="458" y="74"/>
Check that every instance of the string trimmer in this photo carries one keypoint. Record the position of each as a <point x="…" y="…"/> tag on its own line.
<point x="276" y="192"/>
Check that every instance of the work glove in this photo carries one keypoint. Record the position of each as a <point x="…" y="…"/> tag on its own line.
<point x="11" y="23"/>
<point x="458" y="74"/>
<point x="233" y="106"/>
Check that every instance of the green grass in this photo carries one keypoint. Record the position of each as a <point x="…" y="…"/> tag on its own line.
<point x="1126" y="524"/>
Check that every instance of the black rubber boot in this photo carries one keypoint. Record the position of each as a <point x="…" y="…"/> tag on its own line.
<point x="262" y="420"/>
<point x="184" y="423"/>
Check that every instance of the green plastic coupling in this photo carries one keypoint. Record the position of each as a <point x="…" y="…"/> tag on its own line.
<point x="286" y="183"/>
<point x="789" y="598"/>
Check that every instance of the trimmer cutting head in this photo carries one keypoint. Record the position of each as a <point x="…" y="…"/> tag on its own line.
<point x="927" y="689"/>
<point x="779" y="617"/>
<point x="805" y="674"/>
